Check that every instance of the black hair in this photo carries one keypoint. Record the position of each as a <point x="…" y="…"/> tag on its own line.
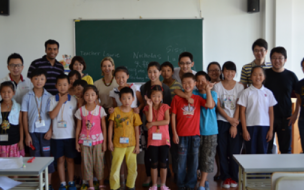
<point x="74" y="72"/>
<point x="51" y="42"/>
<point x="202" y="73"/>
<point x="121" y="68"/>
<point x="280" y="50"/>
<point x="217" y="64"/>
<point x="261" y="43"/>
<point x="154" y="64"/>
<point x="14" y="56"/>
<point x="188" y="75"/>
<point x="254" y="68"/>
<point x="38" y="72"/>
<point x="126" y="90"/>
<point x="148" y="84"/>
<point x="62" y="76"/>
<point x="156" y="88"/>
<point x="185" y="54"/>
<point x="229" y="65"/>
<point x="167" y="64"/>
<point x="302" y="62"/>
<point x="80" y="82"/>
<point x="88" y="87"/>
<point x="7" y="84"/>
<point x="80" y="60"/>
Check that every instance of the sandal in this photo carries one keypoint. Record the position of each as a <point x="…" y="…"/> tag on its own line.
<point x="102" y="187"/>
<point x="154" y="187"/>
<point x="163" y="187"/>
<point x="91" y="188"/>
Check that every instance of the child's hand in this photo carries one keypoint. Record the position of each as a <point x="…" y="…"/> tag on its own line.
<point x="175" y="139"/>
<point x="209" y="86"/>
<point x="111" y="110"/>
<point x="20" y="145"/>
<point x="149" y="101"/>
<point x="78" y="147"/>
<point x="104" y="146"/>
<point x="136" y="110"/>
<point x="48" y="135"/>
<point x="110" y="146"/>
<point x="28" y="140"/>
<point x="149" y="125"/>
<point x="233" y="131"/>
<point x="269" y="135"/>
<point x="136" y="149"/>
<point x="63" y="98"/>
<point x="246" y="135"/>
<point x="190" y="100"/>
<point x="233" y="121"/>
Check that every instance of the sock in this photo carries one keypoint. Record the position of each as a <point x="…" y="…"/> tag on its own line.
<point x="84" y="182"/>
<point x="63" y="183"/>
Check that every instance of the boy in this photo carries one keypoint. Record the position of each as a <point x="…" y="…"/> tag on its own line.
<point x="185" y="63"/>
<point x="126" y="139"/>
<point x="36" y="121"/>
<point x="186" y="131"/>
<point x="61" y="110"/>
<point x="78" y="86"/>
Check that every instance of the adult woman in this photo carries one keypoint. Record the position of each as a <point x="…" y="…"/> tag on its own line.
<point x="79" y="65"/>
<point x="214" y="72"/>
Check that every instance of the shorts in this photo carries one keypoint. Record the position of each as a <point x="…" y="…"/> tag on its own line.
<point x="42" y="148"/>
<point x="207" y="153"/>
<point x="63" y="147"/>
<point x="158" y="156"/>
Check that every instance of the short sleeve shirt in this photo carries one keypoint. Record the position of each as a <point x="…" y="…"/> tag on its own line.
<point x="246" y="71"/>
<point x="176" y="74"/>
<point x="175" y="85"/>
<point x="115" y="94"/>
<point x="104" y="92"/>
<point x="124" y="123"/>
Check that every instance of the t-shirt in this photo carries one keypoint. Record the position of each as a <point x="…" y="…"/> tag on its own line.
<point x="124" y="123"/>
<point x="281" y="84"/>
<point x="257" y="103"/>
<point x="163" y="129"/>
<point x="166" y="92"/>
<point x="66" y="113"/>
<point x="104" y="91"/>
<point x="176" y="74"/>
<point x="208" y="122"/>
<point x="246" y="71"/>
<point x="187" y="115"/>
<point x="175" y="85"/>
<point x="228" y="98"/>
<point x="88" y="79"/>
<point x="115" y="94"/>
<point x="300" y="90"/>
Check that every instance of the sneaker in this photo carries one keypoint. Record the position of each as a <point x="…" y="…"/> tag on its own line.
<point x="226" y="183"/>
<point x="71" y="186"/>
<point x="84" y="187"/>
<point x="233" y="183"/>
<point x="62" y="187"/>
<point x="50" y="187"/>
<point x="201" y="188"/>
<point x="206" y="185"/>
<point x="154" y="187"/>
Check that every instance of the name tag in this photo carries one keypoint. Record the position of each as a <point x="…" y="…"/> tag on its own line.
<point x="39" y="124"/>
<point x="4" y="137"/>
<point x="156" y="136"/>
<point x="62" y="124"/>
<point x="124" y="140"/>
<point x="87" y="142"/>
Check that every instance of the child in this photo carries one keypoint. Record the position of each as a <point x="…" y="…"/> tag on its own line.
<point x="214" y="72"/>
<point x="158" y="118"/>
<point x="256" y="112"/>
<point x="73" y="76"/>
<point x="36" y="121"/>
<point x="61" y="111"/>
<point x="125" y="143"/>
<point x="79" y="65"/>
<point x="229" y="140"/>
<point x="11" y="136"/>
<point x="79" y="85"/>
<point x="300" y="99"/>
<point x="185" y="63"/>
<point x="186" y="130"/>
<point x="121" y="75"/>
<point x="91" y="136"/>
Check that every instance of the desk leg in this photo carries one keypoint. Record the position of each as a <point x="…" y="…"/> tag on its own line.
<point x="244" y="180"/>
<point x="41" y="181"/>
<point x="240" y="178"/>
<point x="46" y="174"/>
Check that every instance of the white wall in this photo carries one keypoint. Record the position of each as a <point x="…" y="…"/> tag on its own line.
<point x="229" y="30"/>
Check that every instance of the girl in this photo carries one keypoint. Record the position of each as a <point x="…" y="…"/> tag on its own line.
<point x="256" y="112"/>
<point x="229" y="141"/>
<point x="153" y="74"/>
<point x="158" y="119"/>
<point x="91" y="136"/>
<point x="11" y="135"/>
<point x="78" y="64"/>
<point x="214" y="72"/>
<point x="73" y="76"/>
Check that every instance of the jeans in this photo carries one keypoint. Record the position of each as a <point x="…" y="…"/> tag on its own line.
<point x="188" y="149"/>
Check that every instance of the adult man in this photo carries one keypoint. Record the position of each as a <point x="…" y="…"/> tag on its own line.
<point x="49" y="63"/>
<point x="22" y="85"/>
<point x="281" y="82"/>
<point x="259" y="48"/>
<point x="185" y="63"/>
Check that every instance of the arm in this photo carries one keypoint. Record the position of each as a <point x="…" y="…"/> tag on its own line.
<point x="295" y="114"/>
<point x="181" y="94"/>
<point x="232" y="121"/>
<point x="28" y="138"/>
<point x="269" y="135"/>
<point x="173" y="125"/>
<point x="78" y="129"/>
<point x="136" y="150"/>
<point x="114" y="103"/>
<point x="166" y="121"/>
<point x="209" y="101"/>
<point x="56" y="110"/>
<point x="233" y="129"/>
<point x="104" y="132"/>
<point x="149" y="113"/>
<point x="140" y="99"/>
<point x="246" y="134"/>
<point x="20" y="144"/>
<point x="110" y="135"/>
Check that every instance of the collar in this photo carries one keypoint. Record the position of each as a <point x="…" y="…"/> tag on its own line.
<point x="57" y="97"/>
<point x="21" y="77"/>
<point x="254" y="88"/>
<point x="263" y="64"/>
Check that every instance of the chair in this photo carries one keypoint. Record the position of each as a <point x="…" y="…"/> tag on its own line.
<point x="287" y="181"/>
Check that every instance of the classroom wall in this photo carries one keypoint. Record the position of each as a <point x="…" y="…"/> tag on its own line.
<point x="229" y="30"/>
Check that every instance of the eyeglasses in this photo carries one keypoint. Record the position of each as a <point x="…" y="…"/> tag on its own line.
<point x="259" y="51"/>
<point x="187" y="63"/>
<point x="214" y="71"/>
<point x="277" y="58"/>
<point x="18" y="66"/>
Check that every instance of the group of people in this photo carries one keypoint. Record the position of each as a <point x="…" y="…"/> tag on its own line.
<point x="196" y="116"/>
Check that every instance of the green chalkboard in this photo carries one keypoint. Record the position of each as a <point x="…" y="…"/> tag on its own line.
<point x="135" y="43"/>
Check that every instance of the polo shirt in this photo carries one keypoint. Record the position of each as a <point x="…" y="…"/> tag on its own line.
<point x="52" y="72"/>
<point x="30" y="106"/>
<point x="246" y="71"/>
<point x="23" y="87"/>
<point x="66" y="113"/>
<point x="115" y="94"/>
<point x="257" y="103"/>
<point x="176" y="74"/>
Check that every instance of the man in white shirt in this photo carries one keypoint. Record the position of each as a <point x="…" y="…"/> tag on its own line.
<point x="185" y="63"/>
<point x="22" y="85"/>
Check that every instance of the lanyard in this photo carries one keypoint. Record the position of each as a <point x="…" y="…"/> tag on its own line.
<point x="86" y="121"/>
<point x="62" y="111"/>
<point x="39" y="109"/>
